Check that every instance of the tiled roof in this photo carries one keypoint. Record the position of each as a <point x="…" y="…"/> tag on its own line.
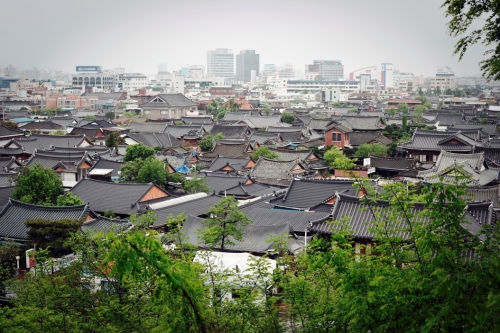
<point x="338" y="125"/>
<point x="42" y="125"/>
<point x="8" y="163"/>
<point x="484" y="194"/>
<point x="262" y="137"/>
<point x="307" y="194"/>
<point x="292" y="136"/>
<point x="255" y="238"/>
<point x="164" y="140"/>
<point x="195" y="207"/>
<point x="273" y="170"/>
<point x="234" y="149"/>
<point x="179" y="131"/>
<point x="170" y="100"/>
<point x="236" y="163"/>
<point x="5" y="195"/>
<point x="40" y="141"/>
<point x="298" y="220"/>
<point x="289" y="155"/>
<point x="51" y="162"/>
<point x="491" y="155"/>
<point x="106" y="96"/>
<point x="263" y="121"/>
<point x="90" y="133"/>
<point x="490" y="129"/>
<point x="231" y="131"/>
<point x="197" y="120"/>
<point x="118" y="197"/>
<point x="235" y="116"/>
<point x="319" y="124"/>
<point x="359" y="138"/>
<point x="470" y="164"/>
<point x="107" y="164"/>
<point x="281" y="130"/>
<point x="4" y="131"/>
<point x="7" y="179"/>
<point x="363" y="123"/>
<point x="104" y="224"/>
<point x="359" y="218"/>
<point x="393" y="163"/>
<point x="147" y="127"/>
<point x="448" y="119"/>
<point x="433" y="140"/>
<point x="14" y="215"/>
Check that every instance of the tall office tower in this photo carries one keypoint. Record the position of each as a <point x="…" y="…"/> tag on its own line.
<point x="246" y="62"/>
<point x="387" y="75"/>
<point x="220" y="63"/>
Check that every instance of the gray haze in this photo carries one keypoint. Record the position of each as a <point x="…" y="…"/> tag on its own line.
<point x="137" y="35"/>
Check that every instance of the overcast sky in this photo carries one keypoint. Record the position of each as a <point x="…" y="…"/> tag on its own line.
<point x="138" y="35"/>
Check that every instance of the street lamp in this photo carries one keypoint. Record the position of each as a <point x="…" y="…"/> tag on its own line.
<point x="17" y="267"/>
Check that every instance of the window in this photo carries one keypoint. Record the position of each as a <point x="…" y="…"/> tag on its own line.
<point x="164" y="112"/>
<point x="336" y="137"/>
<point x="147" y="112"/>
<point x="423" y="158"/>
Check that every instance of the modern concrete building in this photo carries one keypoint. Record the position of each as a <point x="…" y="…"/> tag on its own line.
<point x="387" y="75"/>
<point x="444" y="79"/>
<point x="325" y="70"/>
<point x="220" y="63"/>
<point x="246" y="62"/>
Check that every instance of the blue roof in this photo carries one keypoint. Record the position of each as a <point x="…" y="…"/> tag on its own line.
<point x="23" y="120"/>
<point x="182" y="169"/>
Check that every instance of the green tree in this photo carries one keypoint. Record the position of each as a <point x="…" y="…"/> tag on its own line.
<point x="374" y="149"/>
<point x="418" y="112"/>
<point x="225" y="224"/>
<point x="422" y="99"/>
<point x="196" y="185"/>
<point x="266" y="109"/>
<point x="403" y="108"/>
<point x="231" y="105"/>
<point x="216" y="108"/>
<point x="420" y="91"/>
<point x="152" y="170"/>
<point x="438" y="90"/>
<point x="52" y="233"/>
<point x="337" y="104"/>
<point x="207" y="143"/>
<point x="8" y="252"/>
<point x="334" y="158"/>
<point x="392" y="111"/>
<point x="287" y="117"/>
<point x="138" y="151"/>
<point x="110" y="115"/>
<point x="463" y="16"/>
<point x="114" y="139"/>
<point x="69" y="199"/>
<point x="264" y="152"/>
<point x="440" y="105"/>
<point x="38" y="185"/>
<point x="175" y="177"/>
<point x="130" y="170"/>
<point x="353" y="111"/>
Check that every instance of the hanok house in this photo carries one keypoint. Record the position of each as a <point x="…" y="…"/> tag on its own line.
<point x="390" y="167"/>
<point x="427" y="145"/>
<point x="71" y="168"/>
<point x="232" y="131"/>
<point x="412" y="103"/>
<point x="230" y="165"/>
<point x="120" y="198"/>
<point x="360" y="220"/>
<point x="452" y="168"/>
<point x="187" y="134"/>
<point x="277" y="173"/>
<point x="169" y="106"/>
<point x="226" y="148"/>
<point x="14" y="215"/>
<point x="337" y="135"/>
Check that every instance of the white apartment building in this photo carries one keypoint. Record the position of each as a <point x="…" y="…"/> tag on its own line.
<point x="444" y="79"/>
<point x="196" y="71"/>
<point x="220" y="63"/>
<point x="298" y="86"/>
<point x="132" y="81"/>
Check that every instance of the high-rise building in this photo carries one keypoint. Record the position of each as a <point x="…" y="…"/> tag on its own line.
<point x="246" y="62"/>
<point x="387" y="75"/>
<point x="444" y="79"/>
<point x="220" y="63"/>
<point x="325" y="70"/>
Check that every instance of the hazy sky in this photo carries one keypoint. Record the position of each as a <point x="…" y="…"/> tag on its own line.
<point x="138" y="35"/>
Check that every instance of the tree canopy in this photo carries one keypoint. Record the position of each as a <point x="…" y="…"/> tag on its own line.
<point x="196" y="185"/>
<point x="264" y="152"/>
<point x="138" y="151"/>
<point x="38" y="185"/>
<point x="225" y="224"/>
<point x="464" y="15"/>
<point x="374" y="149"/>
<point x="334" y="158"/>
<point x="287" y="117"/>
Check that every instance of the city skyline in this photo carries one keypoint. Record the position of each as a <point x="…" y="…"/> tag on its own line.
<point x="412" y="36"/>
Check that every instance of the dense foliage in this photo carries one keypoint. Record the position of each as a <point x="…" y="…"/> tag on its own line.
<point x="42" y="186"/>
<point x="425" y="271"/>
<point x="138" y="151"/>
<point x="265" y="152"/>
